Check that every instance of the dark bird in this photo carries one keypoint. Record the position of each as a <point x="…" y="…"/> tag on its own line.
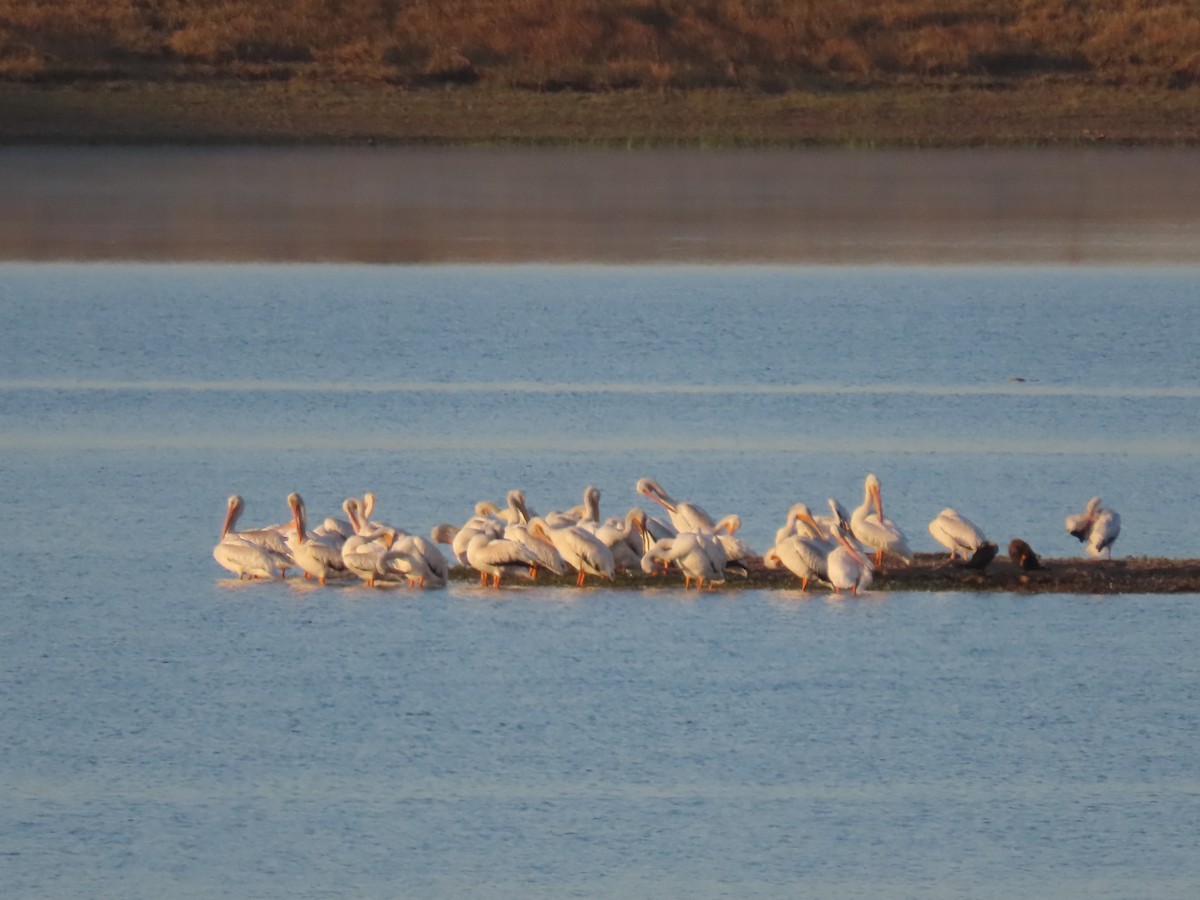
<point x="982" y="556"/>
<point x="1022" y="555"/>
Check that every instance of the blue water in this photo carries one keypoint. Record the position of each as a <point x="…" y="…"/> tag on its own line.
<point x="172" y="733"/>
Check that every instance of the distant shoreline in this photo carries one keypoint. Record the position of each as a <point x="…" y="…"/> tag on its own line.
<point x="956" y="113"/>
<point x="930" y="573"/>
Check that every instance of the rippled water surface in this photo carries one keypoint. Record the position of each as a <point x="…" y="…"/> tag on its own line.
<point x="172" y="733"/>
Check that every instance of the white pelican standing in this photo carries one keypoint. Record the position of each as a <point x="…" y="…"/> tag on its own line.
<point x="697" y="554"/>
<point x="363" y="555"/>
<point x="498" y="557"/>
<point x="416" y="559"/>
<point x="738" y="555"/>
<point x="458" y="538"/>
<point x="802" y="556"/>
<point x="270" y="538"/>
<point x="316" y="557"/>
<point x="801" y="547"/>
<point x="548" y="557"/>
<point x="579" y="548"/>
<point x="260" y="553"/>
<point x="684" y="516"/>
<point x="1097" y="526"/>
<point x="847" y="569"/>
<point x="959" y="535"/>
<point x="614" y="535"/>
<point x="873" y="530"/>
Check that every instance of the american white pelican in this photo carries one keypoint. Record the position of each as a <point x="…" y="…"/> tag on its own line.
<point x="458" y="538"/>
<point x="247" y="560"/>
<point x="804" y="557"/>
<point x="620" y="536"/>
<point x="846" y="568"/>
<point x="957" y="534"/>
<point x="739" y="556"/>
<point x="697" y="554"/>
<point x="1098" y="527"/>
<point x="429" y="554"/>
<point x="1106" y="527"/>
<point x="838" y="519"/>
<point x="445" y="533"/>
<point x="1079" y="524"/>
<point x="318" y="558"/>
<point x="415" y="559"/>
<point x="876" y="532"/>
<point x="629" y="537"/>
<point x="579" y="548"/>
<point x="548" y="557"/>
<point x="271" y="538"/>
<point x="684" y="516"/>
<point x="801" y="547"/>
<point x="498" y="557"/>
<point x="363" y="555"/>
<point x="518" y="512"/>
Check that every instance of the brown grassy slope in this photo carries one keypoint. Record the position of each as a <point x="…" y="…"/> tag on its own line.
<point x="750" y="72"/>
<point x="595" y="45"/>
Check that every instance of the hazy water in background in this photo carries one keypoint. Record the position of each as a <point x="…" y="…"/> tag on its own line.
<point x="170" y="733"/>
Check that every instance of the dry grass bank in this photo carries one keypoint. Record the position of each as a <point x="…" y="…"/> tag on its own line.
<point x="591" y="45"/>
<point x="862" y="72"/>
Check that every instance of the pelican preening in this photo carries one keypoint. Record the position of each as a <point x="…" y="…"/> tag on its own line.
<point x="579" y="548"/>
<point x="1097" y="526"/>
<point x="847" y="569"/>
<point x="698" y="555"/>
<point x="841" y="550"/>
<point x="959" y="535"/>
<point x="684" y="516"/>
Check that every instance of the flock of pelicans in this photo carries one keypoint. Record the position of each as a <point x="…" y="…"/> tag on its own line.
<point x="840" y="549"/>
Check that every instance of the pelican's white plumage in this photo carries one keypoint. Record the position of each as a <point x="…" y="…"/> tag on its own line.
<point x="548" y="557"/>
<point x="615" y="535"/>
<point x="270" y="538"/>
<point x="317" y="557"/>
<point x="804" y="557"/>
<point x="846" y="568"/>
<point x="801" y="547"/>
<point x="428" y="559"/>
<point x="697" y="554"/>
<point x="1097" y="526"/>
<point x="579" y="548"/>
<point x="876" y="532"/>
<point x="363" y="555"/>
<point x="258" y="553"/>
<point x="959" y="535"/>
<point x="458" y="538"/>
<point x="417" y="560"/>
<point x="684" y="516"/>
<point x="247" y="560"/>
<point x="498" y="557"/>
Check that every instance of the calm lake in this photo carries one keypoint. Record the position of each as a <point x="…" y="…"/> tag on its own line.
<point x="1006" y="333"/>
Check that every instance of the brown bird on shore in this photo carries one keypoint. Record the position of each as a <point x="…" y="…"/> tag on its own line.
<point x="1022" y="555"/>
